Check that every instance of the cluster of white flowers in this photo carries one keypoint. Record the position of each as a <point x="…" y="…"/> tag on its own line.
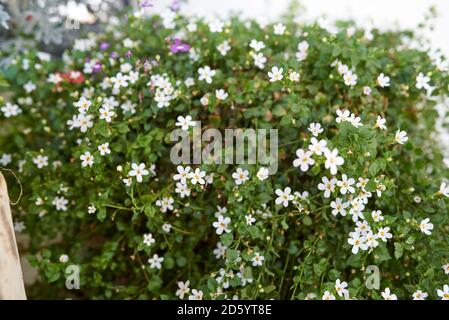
<point x="165" y="92"/>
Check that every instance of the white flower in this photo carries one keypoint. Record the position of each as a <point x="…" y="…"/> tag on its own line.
<point x="5" y="159"/>
<point x="342" y="116"/>
<point x="41" y="161"/>
<point x="384" y="234"/>
<point x="197" y="176"/>
<point x="256" y="45"/>
<point x="327" y="186"/>
<point x="120" y="80"/>
<point x="127" y="181"/>
<point x="419" y="295"/>
<point x="10" y="110"/>
<point x="294" y="76"/>
<point x="155" y="262"/>
<point x="377" y="215"/>
<point x="206" y="74"/>
<point x="257" y="260"/>
<point x="328" y="296"/>
<point x="380" y="123"/>
<point x="29" y="87"/>
<point x="106" y="114"/>
<point x="383" y="81"/>
<point x="340" y="287"/>
<point x="166" y="204"/>
<point x="444" y="189"/>
<point x="355" y="121"/>
<point x="356" y="210"/>
<point x="60" y="203"/>
<point x="345" y="184"/>
<point x="182" y="175"/>
<point x="83" y="122"/>
<point x="183" y="289"/>
<point x="275" y="74"/>
<point x="371" y="239"/>
<point x="259" y="60"/>
<point x="362" y="183"/>
<point x="91" y="209"/>
<point x="87" y="159"/>
<point x="279" y="29"/>
<point x="205" y="100"/>
<point x="223" y="48"/>
<point x="332" y="160"/>
<point x="284" y="196"/>
<point x="357" y="241"/>
<point x="220" y="251"/>
<point x="249" y="219"/>
<point x="104" y="149"/>
<point x="401" y="137"/>
<point x="196" y="295"/>
<point x="166" y="227"/>
<point x="446" y="268"/>
<point x="216" y="26"/>
<point x="148" y="239"/>
<point x="387" y="295"/>
<point x="222" y="224"/>
<point x="138" y="171"/>
<point x="182" y="190"/>
<point x="317" y="147"/>
<point x="304" y="160"/>
<point x="63" y="258"/>
<point x="366" y="90"/>
<point x="185" y="123"/>
<point x="240" y="176"/>
<point x="422" y="81"/>
<point x="221" y="94"/>
<point x="350" y="79"/>
<point x="362" y="227"/>
<point x="262" y="174"/>
<point x="444" y="294"/>
<point x="426" y="227"/>
<point x="339" y="207"/>
<point x="315" y="128"/>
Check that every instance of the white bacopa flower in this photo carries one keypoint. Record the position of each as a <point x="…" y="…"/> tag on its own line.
<point x="383" y="81"/>
<point x="206" y="74"/>
<point x="11" y="110"/>
<point x="196" y="295"/>
<point x="249" y="219"/>
<point x="29" y="87"/>
<point x="222" y="224"/>
<point x="303" y="160"/>
<point x="216" y="26"/>
<point x="104" y="149"/>
<point x="327" y="186"/>
<point x="63" y="258"/>
<point x="342" y="116"/>
<point x="275" y="74"/>
<point x="340" y="287"/>
<point x="257" y="259"/>
<point x="148" y="239"/>
<point x="166" y="227"/>
<point x="220" y="94"/>
<point x="422" y="81"/>
<point x="419" y="295"/>
<point x="106" y="114"/>
<point x="127" y="181"/>
<point x="355" y="121"/>
<point x="362" y="227"/>
<point x="401" y="137"/>
<point x="256" y="45"/>
<point x="138" y="171"/>
<point x="83" y="122"/>
<point x="350" y="79"/>
<point x="384" y="234"/>
<point x="332" y="160"/>
<point x="444" y="294"/>
<point x="60" y="203"/>
<point x="240" y="176"/>
<point x="444" y="189"/>
<point x="279" y="29"/>
<point x="182" y="190"/>
<point x="380" y="123"/>
<point x="220" y="251"/>
<point x="224" y="47"/>
<point x="182" y="175"/>
<point x="262" y="174"/>
<point x="371" y="239"/>
<point x="165" y="204"/>
<point x="339" y="207"/>
<point x="294" y="76"/>
<point x="120" y="81"/>
<point x="185" y="123"/>
<point x="316" y="146"/>
<point x="87" y="159"/>
<point x="183" y="289"/>
<point x="387" y="295"/>
<point x="345" y="184"/>
<point x="446" y="268"/>
<point x="357" y="241"/>
<point x="197" y="176"/>
<point x="5" y="159"/>
<point x="315" y="128"/>
<point x="366" y="90"/>
<point x="156" y="262"/>
<point x="356" y="210"/>
<point x="284" y="196"/>
<point x="41" y="161"/>
<point x="259" y="60"/>
<point x="328" y="296"/>
<point x="91" y="209"/>
<point x="377" y="215"/>
<point x="426" y="227"/>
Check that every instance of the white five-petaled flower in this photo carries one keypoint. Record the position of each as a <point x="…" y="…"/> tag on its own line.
<point x="342" y="116"/>
<point x="224" y="47"/>
<point x="387" y="295"/>
<point x="240" y="176"/>
<point x="183" y="289"/>
<point x="41" y="161"/>
<point x="262" y="174"/>
<point x="10" y="110"/>
<point x="138" y="171"/>
<point x="304" y="160"/>
<point x="345" y="184"/>
<point x="316" y="146"/>
<point x="220" y="94"/>
<point x="106" y="114"/>
<point x="383" y="81"/>
<point x="279" y="29"/>
<point x="444" y="294"/>
<point x="339" y="207"/>
<point x="401" y="137"/>
<point x="275" y="74"/>
<point x="284" y="196"/>
<point x="87" y="159"/>
<point x="419" y="295"/>
<point x="340" y="287"/>
<point x="206" y="74"/>
<point x="444" y="189"/>
<point x="83" y="104"/>
<point x="104" y="149"/>
<point x="384" y="234"/>
<point x="185" y="123"/>
<point x="328" y="296"/>
<point x="357" y="241"/>
<point x="196" y="295"/>
<point x="165" y="204"/>
<point x="216" y="26"/>
<point x="197" y="176"/>
<point x="222" y="224"/>
<point x="327" y="186"/>
<point x="60" y="203"/>
<point x="156" y="262"/>
<point x="315" y="128"/>
<point x="256" y="45"/>
<point x="446" y="268"/>
<point x="257" y="260"/>
<point x="120" y="80"/>
<point x="148" y="239"/>
<point x="182" y="175"/>
<point x="333" y="160"/>
<point x="350" y="79"/>
<point x="422" y="81"/>
<point x="377" y="215"/>
<point x="380" y="123"/>
<point x="259" y="60"/>
<point x="426" y="227"/>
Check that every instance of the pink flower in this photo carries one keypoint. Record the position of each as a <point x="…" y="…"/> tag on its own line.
<point x="177" y="46"/>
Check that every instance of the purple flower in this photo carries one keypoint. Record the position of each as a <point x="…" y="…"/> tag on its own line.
<point x="146" y="4"/>
<point x="128" y="54"/>
<point x="114" y="55"/>
<point x="104" y="46"/>
<point x="97" y="67"/>
<point x="177" y="46"/>
<point x="175" y="5"/>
